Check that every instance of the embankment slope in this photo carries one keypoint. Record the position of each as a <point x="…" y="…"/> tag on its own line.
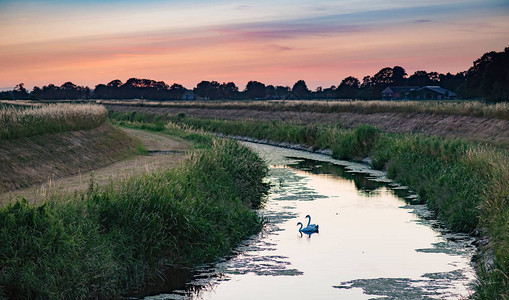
<point x="29" y="160"/>
<point x="486" y="130"/>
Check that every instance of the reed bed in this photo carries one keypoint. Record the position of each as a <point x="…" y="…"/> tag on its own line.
<point x="106" y="241"/>
<point x="463" y="182"/>
<point x="462" y="108"/>
<point x="29" y="121"/>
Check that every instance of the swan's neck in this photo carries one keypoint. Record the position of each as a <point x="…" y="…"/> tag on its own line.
<point x="309" y="220"/>
<point x="300" y="229"/>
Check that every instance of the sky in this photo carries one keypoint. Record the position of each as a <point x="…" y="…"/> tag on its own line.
<point x="274" y="42"/>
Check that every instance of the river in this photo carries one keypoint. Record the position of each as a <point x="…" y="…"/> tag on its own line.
<point x="375" y="240"/>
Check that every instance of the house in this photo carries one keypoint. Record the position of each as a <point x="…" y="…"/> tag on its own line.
<point x="432" y="92"/>
<point x="397" y="92"/>
<point x="188" y="95"/>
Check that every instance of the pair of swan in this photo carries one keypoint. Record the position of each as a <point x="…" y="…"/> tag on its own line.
<point x="310" y="228"/>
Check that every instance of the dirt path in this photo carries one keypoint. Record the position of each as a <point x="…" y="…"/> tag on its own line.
<point x="163" y="152"/>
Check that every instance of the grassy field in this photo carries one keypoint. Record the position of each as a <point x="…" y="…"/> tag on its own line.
<point x="461" y="108"/>
<point x="16" y="122"/>
<point x="464" y="182"/>
<point x="105" y="241"/>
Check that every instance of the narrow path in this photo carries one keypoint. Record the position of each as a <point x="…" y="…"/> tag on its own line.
<point x="163" y="152"/>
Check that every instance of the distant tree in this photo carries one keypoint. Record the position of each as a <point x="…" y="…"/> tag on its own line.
<point x="20" y="92"/>
<point x="207" y="89"/>
<point x="367" y="82"/>
<point x="489" y="77"/>
<point x="348" y="88"/>
<point x="255" y="90"/>
<point x="301" y="89"/>
<point x="176" y="91"/>
<point x="115" y="83"/>
<point x="36" y="92"/>
<point x="270" y="91"/>
<point x="398" y="76"/>
<point x="282" y="91"/>
<point x="419" y="78"/>
<point x="69" y="90"/>
<point x="228" y="90"/>
<point x="455" y="83"/>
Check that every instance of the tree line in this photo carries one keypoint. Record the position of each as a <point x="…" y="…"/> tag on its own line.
<point x="488" y="78"/>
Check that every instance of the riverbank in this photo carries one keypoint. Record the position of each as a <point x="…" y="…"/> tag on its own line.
<point x="473" y="121"/>
<point x="45" y="142"/>
<point x="106" y="241"/>
<point x="460" y="180"/>
<point x="35" y="159"/>
<point x="160" y="151"/>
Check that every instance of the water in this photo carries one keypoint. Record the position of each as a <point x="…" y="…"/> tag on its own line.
<point x="375" y="240"/>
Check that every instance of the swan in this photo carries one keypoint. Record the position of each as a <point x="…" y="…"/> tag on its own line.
<point x="307" y="229"/>
<point x="309" y="223"/>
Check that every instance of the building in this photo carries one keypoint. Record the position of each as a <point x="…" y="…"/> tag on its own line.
<point x="188" y="95"/>
<point x="432" y="92"/>
<point x="397" y="92"/>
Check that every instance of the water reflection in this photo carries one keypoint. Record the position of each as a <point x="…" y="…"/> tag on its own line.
<point x="371" y="242"/>
<point x="367" y="185"/>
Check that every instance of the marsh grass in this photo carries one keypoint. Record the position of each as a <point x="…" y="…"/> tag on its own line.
<point x="18" y="122"/>
<point x="105" y="241"/>
<point x="462" y="108"/>
<point x="464" y="182"/>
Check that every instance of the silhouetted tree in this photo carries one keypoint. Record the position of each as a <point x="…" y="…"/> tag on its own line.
<point x="255" y="90"/>
<point x="349" y="88"/>
<point x="176" y="91"/>
<point x="398" y="76"/>
<point x="282" y="91"/>
<point x="270" y="91"/>
<point x="228" y="90"/>
<point x="419" y="78"/>
<point x="489" y="77"/>
<point x="20" y="92"/>
<point x="454" y="83"/>
<point x="207" y="89"/>
<point x="301" y="89"/>
<point x="115" y="84"/>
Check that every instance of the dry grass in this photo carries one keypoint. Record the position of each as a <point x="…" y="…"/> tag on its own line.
<point x="462" y="108"/>
<point x="23" y="122"/>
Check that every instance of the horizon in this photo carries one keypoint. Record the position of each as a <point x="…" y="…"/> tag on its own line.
<point x="93" y="42"/>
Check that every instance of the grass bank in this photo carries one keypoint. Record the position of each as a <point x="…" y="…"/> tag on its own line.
<point x="16" y="122"/>
<point x="35" y="159"/>
<point x="458" y="108"/>
<point x="105" y="241"/>
<point x="465" y="183"/>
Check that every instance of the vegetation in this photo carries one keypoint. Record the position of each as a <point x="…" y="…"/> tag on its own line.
<point x="488" y="78"/>
<point x="461" y="108"/>
<point x="465" y="183"/>
<point x="29" y="121"/>
<point x="102" y="242"/>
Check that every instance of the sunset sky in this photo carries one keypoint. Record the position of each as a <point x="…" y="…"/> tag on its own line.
<point x="275" y="42"/>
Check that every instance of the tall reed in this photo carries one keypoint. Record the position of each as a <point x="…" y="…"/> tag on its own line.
<point x="23" y="122"/>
